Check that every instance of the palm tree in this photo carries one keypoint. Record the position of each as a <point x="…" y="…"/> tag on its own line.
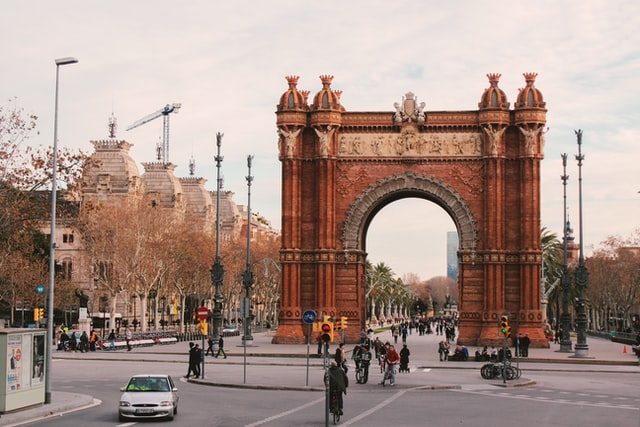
<point x="552" y="264"/>
<point x="379" y="279"/>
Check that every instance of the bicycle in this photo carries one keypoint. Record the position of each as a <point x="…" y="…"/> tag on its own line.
<point x="333" y="407"/>
<point x="362" y="368"/>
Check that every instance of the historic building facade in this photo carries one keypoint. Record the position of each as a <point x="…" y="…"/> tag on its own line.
<point x="113" y="175"/>
<point x="339" y="168"/>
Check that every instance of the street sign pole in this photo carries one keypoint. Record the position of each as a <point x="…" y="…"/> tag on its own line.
<point x="308" y="317"/>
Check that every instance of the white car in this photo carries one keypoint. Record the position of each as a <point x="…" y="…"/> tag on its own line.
<point x="148" y="396"/>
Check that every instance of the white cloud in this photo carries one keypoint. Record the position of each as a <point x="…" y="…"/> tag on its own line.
<point x="225" y="61"/>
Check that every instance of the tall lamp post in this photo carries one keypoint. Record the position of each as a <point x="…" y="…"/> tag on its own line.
<point x="565" y="318"/>
<point x="247" y="276"/>
<point x="52" y="241"/>
<point x="582" y="274"/>
<point x="217" y="269"/>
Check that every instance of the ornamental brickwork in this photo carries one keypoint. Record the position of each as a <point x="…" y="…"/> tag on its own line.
<point x="339" y="168"/>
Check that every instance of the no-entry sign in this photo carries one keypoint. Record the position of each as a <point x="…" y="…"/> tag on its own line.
<point x="202" y="313"/>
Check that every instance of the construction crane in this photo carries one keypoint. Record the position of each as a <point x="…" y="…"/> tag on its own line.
<point x="164" y="112"/>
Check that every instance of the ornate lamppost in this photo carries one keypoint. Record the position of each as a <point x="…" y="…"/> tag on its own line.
<point x="582" y="274"/>
<point x="247" y="276"/>
<point x="217" y="269"/>
<point x="565" y="318"/>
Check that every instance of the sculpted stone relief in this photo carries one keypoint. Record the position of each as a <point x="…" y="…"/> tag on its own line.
<point x="409" y="143"/>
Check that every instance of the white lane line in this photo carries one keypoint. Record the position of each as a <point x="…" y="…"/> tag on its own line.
<point x="284" y="414"/>
<point x="565" y="392"/>
<point x="548" y="400"/>
<point x="378" y="406"/>
<point x="426" y="370"/>
<point x="126" y="424"/>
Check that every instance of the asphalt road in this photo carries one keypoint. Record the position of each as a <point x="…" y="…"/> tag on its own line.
<point x="560" y="398"/>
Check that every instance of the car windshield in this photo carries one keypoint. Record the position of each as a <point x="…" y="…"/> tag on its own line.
<point x="148" y="384"/>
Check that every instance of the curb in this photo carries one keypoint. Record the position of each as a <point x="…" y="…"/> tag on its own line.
<point x="525" y="382"/>
<point x="255" y="386"/>
<point x="43" y="412"/>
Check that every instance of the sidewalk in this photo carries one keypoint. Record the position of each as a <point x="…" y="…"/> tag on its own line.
<point x="61" y="403"/>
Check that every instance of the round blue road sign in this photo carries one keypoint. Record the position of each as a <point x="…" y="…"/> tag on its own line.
<point x="40" y="289"/>
<point x="309" y="316"/>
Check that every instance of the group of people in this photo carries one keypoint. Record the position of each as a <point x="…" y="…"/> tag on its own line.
<point x="196" y="357"/>
<point x="89" y="342"/>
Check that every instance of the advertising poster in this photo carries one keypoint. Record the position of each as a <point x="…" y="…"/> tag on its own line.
<point x="25" y="361"/>
<point x="37" y="358"/>
<point x="14" y="365"/>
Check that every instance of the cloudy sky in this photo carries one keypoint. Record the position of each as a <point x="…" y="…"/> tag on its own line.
<point x="226" y="62"/>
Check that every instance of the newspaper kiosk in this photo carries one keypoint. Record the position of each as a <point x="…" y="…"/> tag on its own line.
<point x="22" y="368"/>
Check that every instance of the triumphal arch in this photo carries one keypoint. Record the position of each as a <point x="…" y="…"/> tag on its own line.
<point x="339" y="168"/>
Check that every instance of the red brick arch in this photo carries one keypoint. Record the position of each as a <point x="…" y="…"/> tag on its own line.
<point x="339" y="168"/>
<point x="397" y="187"/>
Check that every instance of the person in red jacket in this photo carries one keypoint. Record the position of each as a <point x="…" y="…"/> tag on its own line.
<point x="392" y="359"/>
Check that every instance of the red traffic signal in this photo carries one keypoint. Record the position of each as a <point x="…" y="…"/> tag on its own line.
<point x="326" y="327"/>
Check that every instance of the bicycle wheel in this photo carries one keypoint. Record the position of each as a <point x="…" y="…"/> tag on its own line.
<point x="359" y="376"/>
<point x="510" y="373"/>
<point x="487" y="371"/>
<point x="336" y="417"/>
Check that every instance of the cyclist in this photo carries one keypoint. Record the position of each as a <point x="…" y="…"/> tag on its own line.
<point x="338" y="383"/>
<point x="392" y="359"/>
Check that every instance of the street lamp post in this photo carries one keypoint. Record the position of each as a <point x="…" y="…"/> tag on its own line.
<point x="163" y="299"/>
<point x="565" y="318"/>
<point x="52" y="237"/>
<point x="217" y="269"/>
<point x="247" y="276"/>
<point x="582" y="274"/>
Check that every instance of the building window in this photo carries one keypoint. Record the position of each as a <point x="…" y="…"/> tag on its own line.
<point x="67" y="269"/>
<point x="67" y="238"/>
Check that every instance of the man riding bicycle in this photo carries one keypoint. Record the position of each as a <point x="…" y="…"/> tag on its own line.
<point x="338" y="383"/>
<point x="392" y="359"/>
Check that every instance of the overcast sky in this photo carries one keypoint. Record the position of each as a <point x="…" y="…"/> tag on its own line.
<point x="226" y="62"/>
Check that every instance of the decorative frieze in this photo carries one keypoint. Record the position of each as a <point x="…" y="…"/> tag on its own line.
<point x="410" y="143"/>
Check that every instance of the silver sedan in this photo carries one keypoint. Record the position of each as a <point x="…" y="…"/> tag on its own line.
<point x="148" y="396"/>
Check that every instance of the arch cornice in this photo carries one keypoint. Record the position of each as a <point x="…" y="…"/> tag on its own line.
<point x="435" y="190"/>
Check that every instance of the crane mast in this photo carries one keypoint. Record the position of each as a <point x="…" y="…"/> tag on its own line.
<point x="164" y="112"/>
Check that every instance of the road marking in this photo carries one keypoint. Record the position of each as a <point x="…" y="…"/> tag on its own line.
<point x="284" y="414"/>
<point x="379" y="406"/>
<point x="126" y="424"/>
<point x="426" y="370"/>
<point x="565" y="392"/>
<point x="548" y="400"/>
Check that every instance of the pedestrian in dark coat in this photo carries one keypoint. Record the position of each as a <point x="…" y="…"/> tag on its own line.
<point x="221" y="348"/>
<point x="525" y="342"/>
<point x="192" y="361"/>
<point x="404" y="358"/>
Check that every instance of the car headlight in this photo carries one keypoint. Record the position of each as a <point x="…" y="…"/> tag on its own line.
<point x="124" y="403"/>
<point x="166" y="403"/>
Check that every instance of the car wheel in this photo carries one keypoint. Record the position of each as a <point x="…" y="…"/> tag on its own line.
<point x="175" y="410"/>
<point x="121" y="418"/>
<point x="170" y="417"/>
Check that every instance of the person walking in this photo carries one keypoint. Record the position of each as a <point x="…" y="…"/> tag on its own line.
<point x="197" y="359"/>
<point x="93" y="340"/>
<point x="404" y="358"/>
<point x="112" y="340"/>
<point x="221" y="348"/>
<point x="340" y="357"/>
<point x="443" y="350"/>
<point x="209" y="346"/>
<point x="84" y="342"/>
<point x="525" y="342"/>
<point x="192" y="361"/>
<point x="127" y="337"/>
<point x="395" y="333"/>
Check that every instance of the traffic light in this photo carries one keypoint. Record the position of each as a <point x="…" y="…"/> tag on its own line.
<point x="203" y="327"/>
<point x="505" y="329"/>
<point x="343" y="322"/>
<point x="38" y="313"/>
<point x="327" y="329"/>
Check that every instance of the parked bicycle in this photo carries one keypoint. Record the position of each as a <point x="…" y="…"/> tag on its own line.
<point x="491" y="371"/>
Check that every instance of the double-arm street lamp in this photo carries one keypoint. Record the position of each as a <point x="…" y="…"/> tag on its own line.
<point x="582" y="274"/>
<point x="217" y="269"/>
<point x="52" y="237"/>
<point x="247" y="276"/>
<point x="565" y="318"/>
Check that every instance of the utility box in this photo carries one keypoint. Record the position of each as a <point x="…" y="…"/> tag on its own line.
<point x="22" y="368"/>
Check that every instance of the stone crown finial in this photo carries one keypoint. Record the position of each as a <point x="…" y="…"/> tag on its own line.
<point x="338" y="93"/>
<point x="530" y="78"/>
<point x="305" y="95"/>
<point x="494" y="78"/>
<point x="326" y="80"/>
<point x="292" y="80"/>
